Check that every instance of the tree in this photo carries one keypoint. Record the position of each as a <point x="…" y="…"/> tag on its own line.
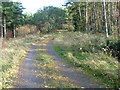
<point x="118" y="18"/>
<point x="12" y="16"/>
<point x="105" y="19"/>
<point x="1" y="26"/>
<point x="95" y="17"/>
<point x="86" y="15"/>
<point x="53" y="16"/>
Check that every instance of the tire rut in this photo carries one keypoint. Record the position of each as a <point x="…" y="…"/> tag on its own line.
<point x="79" y="78"/>
<point x="27" y="76"/>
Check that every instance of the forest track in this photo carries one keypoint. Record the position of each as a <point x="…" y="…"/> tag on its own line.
<point x="28" y="73"/>
<point x="78" y="77"/>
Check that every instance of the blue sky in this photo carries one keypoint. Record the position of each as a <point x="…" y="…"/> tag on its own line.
<point x="33" y="5"/>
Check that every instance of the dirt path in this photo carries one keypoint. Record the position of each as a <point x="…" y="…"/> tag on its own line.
<point x="79" y="78"/>
<point x="28" y="74"/>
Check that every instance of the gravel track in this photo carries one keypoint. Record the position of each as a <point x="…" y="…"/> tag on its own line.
<point x="79" y="78"/>
<point x="27" y="76"/>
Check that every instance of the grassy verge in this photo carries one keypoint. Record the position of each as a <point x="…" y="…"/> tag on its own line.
<point x="88" y="52"/>
<point x="49" y="70"/>
<point x="13" y="52"/>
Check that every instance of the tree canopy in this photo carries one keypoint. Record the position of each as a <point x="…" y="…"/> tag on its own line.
<point x="50" y="16"/>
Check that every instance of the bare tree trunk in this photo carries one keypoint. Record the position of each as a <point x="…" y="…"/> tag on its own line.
<point x="108" y="17"/>
<point x="4" y="21"/>
<point x="80" y="15"/>
<point x="1" y="27"/>
<point x="86" y="16"/>
<point x="14" y="33"/>
<point x="111" y="18"/>
<point x="105" y="19"/>
<point x="91" y="17"/>
<point x="94" y="18"/>
<point x="118" y="17"/>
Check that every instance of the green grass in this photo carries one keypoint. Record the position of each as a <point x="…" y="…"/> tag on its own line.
<point x="13" y="52"/>
<point x="87" y="52"/>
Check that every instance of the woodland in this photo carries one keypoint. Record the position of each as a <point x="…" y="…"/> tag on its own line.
<point x="85" y="34"/>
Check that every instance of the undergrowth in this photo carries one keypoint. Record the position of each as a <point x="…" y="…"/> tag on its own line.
<point x="88" y="52"/>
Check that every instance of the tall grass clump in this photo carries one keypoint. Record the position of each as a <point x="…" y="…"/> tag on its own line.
<point x="90" y="53"/>
<point x="13" y="51"/>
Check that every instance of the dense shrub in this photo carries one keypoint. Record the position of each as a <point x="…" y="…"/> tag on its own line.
<point x="115" y="49"/>
<point x="68" y="27"/>
<point x="27" y="29"/>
